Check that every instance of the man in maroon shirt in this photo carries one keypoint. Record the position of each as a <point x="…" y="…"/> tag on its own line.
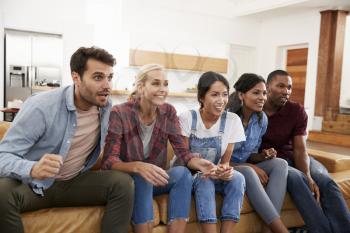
<point x="315" y="194"/>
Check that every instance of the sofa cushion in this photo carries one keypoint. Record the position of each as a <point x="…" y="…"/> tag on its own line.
<point x="69" y="219"/>
<point x="343" y="181"/>
<point x="332" y="161"/>
<point x="288" y="203"/>
<point x="292" y="218"/>
<point x="65" y="220"/>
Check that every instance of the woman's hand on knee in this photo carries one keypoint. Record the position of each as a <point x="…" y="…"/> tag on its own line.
<point x="264" y="178"/>
<point x="152" y="173"/>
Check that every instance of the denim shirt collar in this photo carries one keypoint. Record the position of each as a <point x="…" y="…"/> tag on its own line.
<point x="254" y="119"/>
<point x="70" y="99"/>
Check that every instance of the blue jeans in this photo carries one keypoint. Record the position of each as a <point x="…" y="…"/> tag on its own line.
<point x="179" y="188"/>
<point x="332" y="215"/>
<point x="232" y="191"/>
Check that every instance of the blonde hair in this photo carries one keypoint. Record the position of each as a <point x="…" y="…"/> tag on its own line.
<point x="141" y="78"/>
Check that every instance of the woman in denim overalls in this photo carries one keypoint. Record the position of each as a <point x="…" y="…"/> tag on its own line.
<point x="212" y="132"/>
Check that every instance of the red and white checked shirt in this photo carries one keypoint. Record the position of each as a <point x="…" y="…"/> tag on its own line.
<point x="123" y="142"/>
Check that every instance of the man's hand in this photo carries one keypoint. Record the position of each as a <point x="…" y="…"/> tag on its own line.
<point x="152" y="173"/>
<point x="47" y="167"/>
<point x="314" y="188"/>
<point x="302" y="163"/>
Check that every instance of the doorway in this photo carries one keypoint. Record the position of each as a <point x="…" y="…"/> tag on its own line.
<point x="296" y="64"/>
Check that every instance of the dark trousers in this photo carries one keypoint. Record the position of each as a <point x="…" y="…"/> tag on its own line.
<point x="332" y="216"/>
<point x="113" y="189"/>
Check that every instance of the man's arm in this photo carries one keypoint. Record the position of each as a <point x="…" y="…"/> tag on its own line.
<point x="301" y="158"/>
<point x="302" y="162"/>
<point x="27" y="128"/>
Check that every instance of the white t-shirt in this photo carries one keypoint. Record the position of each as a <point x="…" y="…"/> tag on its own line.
<point x="146" y="135"/>
<point x="233" y="131"/>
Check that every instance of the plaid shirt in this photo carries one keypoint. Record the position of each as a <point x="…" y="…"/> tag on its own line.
<point x="123" y="142"/>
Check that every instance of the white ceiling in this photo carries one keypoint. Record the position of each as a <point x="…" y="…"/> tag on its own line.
<point x="302" y="6"/>
<point x="234" y="8"/>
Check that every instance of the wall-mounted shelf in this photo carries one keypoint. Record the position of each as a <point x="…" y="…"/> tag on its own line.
<point x="178" y="61"/>
<point x="124" y="92"/>
<point x="171" y="94"/>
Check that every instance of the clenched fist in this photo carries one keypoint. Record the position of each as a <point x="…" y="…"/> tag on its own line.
<point x="47" y="167"/>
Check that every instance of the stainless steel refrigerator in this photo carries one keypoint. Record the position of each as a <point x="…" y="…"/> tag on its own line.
<point x="31" y="59"/>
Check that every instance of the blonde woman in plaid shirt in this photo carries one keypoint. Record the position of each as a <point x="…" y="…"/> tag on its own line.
<point x="137" y="143"/>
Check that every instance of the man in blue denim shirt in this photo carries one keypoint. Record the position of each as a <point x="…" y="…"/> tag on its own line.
<point x="54" y="140"/>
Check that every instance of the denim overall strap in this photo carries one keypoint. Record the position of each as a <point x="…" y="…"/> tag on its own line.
<point x="221" y="132"/>
<point x="208" y="147"/>
<point x="222" y="123"/>
<point x="194" y="121"/>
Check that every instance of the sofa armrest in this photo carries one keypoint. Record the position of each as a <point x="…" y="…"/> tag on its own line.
<point x="4" y="126"/>
<point x="332" y="161"/>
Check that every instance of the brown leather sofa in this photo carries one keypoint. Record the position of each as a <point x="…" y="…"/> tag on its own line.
<point x="88" y="219"/>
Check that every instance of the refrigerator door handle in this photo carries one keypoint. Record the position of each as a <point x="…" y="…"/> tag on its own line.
<point x="27" y="77"/>
<point x="31" y="77"/>
<point x="34" y="77"/>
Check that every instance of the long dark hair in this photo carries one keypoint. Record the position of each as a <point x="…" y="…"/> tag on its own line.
<point x="205" y="82"/>
<point x="246" y="82"/>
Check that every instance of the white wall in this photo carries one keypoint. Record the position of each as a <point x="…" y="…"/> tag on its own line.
<point x="289" y="30"/>
<point x="345" y="82"/>
<point x="60" y="17"/>
<point x="80" y="22"/>
<point x="243" y="59"/>
<point x="118" y="24"/>
<point x="155" y="28"/>
<point x="1" y="60"/>
<point x="166" y="29"/>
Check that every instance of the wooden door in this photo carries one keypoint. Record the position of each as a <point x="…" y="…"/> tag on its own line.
<point x="296" y="67"/>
